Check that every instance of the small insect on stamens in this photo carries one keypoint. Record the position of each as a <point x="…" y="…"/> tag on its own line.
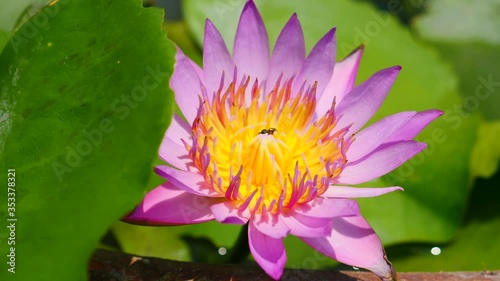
<point x="269" y="131"/>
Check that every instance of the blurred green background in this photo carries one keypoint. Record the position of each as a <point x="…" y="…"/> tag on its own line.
<point x="66" y="67"/>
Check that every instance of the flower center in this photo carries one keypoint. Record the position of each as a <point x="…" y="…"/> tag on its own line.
<point x="267" y="153"/>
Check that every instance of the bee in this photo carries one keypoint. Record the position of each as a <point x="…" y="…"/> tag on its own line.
<point x="269" y="131"/>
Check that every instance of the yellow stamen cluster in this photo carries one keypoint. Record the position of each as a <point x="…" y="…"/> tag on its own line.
<point x="268" y="152"/>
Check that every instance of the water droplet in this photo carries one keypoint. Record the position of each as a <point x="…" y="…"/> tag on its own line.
<point x="222" y="251"/>
<point x="436" y="251"/>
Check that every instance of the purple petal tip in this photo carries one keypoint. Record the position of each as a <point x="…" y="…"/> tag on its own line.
<point x="250" y="5"/>
<point x="421" y="145"/>
<point x="360" y="49"/>
<point x="437" y="112"/>
<point x="393" y="70"/>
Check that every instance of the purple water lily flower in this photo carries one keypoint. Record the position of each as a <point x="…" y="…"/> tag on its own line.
<point x="277" y="141"/>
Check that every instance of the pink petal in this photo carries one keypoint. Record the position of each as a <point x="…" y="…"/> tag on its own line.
<point x="227" y="212"/>
<point x="188" y="181"/>
<point x="306" y="226"/>
<point x="268" y="252"/>
<point x="167" y="205"/>
<point x="354" y="242"/>
<point x="336" y="191"/>
<point x="216" y="60"/>
<point x="175" y="154"/>
<point x="271" y="225"/>
<point x="251" y="44"/>
<point x="327" y="208"/>
<point x="376" y="134"/>
<point x="359" y="105"/>
<point x="341" y="82"/>
<point x="289" y="52"/>
<point x="318" y="67"/>
<point x="178" y="129"/>
<point x="186" y="86"/>
<point x="380" y="162"/>
<point x="416" y="124"/>
<point x="198" y="71"/>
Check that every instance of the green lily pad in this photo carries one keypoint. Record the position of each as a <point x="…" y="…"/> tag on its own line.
<point x="15" y="12"/>
<point x="436" y="181"/>
<point x="85" y="104"/>
<point x="473" y="48"/>
<point x="12" y="11"/>
<point x="482" y="22"/>
<point x="167" y="242"/>
<point x="4" y="38"/>
<point x="484" y="161"/>
<point x="470" y="251"/>
<point x="473" y="248"/>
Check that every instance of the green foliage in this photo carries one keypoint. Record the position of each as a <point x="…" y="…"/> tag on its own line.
<point x="12" y="10"/>
<point x="472" y="46"/>
<point x="4" y="37"/>
<point x="473" y="247"/>
<point x="481" y="25"/>
<point x="84" y="106"/>
<point x="167" y="242"/>
<point x="484" y="160"/>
